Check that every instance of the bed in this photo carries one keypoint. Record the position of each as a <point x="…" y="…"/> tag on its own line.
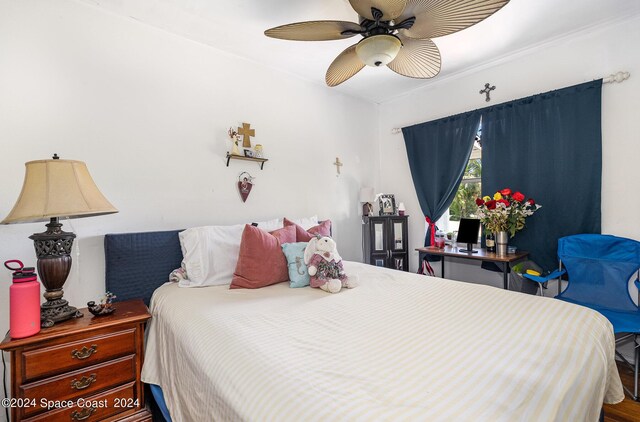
<point x="398" y="347"/>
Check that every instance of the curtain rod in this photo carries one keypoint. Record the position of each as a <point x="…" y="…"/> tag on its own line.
<point x="617" y="77"/>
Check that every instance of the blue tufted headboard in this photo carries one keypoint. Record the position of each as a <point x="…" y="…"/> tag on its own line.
<point x="138" y="263"/>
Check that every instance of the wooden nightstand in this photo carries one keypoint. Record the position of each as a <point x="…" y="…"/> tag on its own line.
<point x="386" y="241"/>
<point x="84" y="369"/>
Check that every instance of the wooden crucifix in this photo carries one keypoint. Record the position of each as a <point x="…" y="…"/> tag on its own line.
<point x="246" y="133"/>
<point x="487" y="90"/>
<point x="338" y="164"/>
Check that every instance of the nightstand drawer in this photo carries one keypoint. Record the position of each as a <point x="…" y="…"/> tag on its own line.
<point x="79" y="354"/>
<point x="94" y="408"/>
<point x="81" y="383"/>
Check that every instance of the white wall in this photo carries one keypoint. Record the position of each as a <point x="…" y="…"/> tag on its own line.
<point x="565" y="62"/>
<point x="148" y="112"/>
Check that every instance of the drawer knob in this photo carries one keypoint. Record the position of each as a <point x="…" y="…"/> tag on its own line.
<point x="83" y="414"/>
<point x="85" y="352"/>
<point x="83" y="383"/>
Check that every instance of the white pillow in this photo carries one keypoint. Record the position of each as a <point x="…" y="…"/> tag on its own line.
<point x="306" y="223"/>
<point x="271" y="225"/>
<point x="210" y="254"/>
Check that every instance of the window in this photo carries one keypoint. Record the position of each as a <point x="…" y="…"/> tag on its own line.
<point x="464" y="203"/>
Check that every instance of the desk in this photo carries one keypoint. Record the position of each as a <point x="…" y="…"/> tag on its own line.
<point x="481" y="255"/>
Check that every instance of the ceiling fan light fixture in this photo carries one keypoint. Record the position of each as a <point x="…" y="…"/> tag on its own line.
<point x="378" y="50"/>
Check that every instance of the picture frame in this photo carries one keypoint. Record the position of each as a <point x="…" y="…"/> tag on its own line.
<point x="387" y="203"/>
<point x="248" y="153"/>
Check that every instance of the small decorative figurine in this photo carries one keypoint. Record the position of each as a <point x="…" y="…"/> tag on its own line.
<point x="235" y="140"/>
<point x="104" y="307"/>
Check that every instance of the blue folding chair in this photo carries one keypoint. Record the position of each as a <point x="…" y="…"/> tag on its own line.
<point x="600" y="268"/>
<point x="543" y="279"/>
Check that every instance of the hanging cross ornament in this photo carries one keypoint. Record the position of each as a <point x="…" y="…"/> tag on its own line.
<point x="338" y="164"/>
<point x="487" y="90"/>
<point x="246" y="133"/>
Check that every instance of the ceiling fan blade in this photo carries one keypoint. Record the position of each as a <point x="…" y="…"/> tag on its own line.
<point x="344" y="66"/>
<point x="314" y="31"/>
<point x="391" y="9"/>
<point x="443" y="17"/>
<point x="417" y="59"/>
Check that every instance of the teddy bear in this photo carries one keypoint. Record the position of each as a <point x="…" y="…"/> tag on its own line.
<point x="325" y="265"/>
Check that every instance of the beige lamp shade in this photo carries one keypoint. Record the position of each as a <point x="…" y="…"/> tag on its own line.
<point x="58" y="188"/>
<point x="367" y="194"/>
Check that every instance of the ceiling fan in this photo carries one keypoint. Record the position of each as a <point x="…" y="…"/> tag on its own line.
<point x="397" y="33"/>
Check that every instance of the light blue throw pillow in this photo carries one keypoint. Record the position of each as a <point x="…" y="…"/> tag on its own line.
<point x="298" y="273"/>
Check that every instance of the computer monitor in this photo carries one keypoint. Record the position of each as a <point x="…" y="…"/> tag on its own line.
<point x="468" y="233"/>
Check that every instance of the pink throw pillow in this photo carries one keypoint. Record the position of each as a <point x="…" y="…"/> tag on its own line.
<point x="261" y="261"/>
<point x="302" y="235"/>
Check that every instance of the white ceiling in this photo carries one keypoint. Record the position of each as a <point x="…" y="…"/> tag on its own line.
<point x="237" y="26"/>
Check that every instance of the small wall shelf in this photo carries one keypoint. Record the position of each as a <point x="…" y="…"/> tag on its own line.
<point x="240" y="157"/>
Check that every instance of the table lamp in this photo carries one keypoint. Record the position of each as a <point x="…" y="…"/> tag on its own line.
<point x="367" y="196"/>
<point x="53" y="189"/>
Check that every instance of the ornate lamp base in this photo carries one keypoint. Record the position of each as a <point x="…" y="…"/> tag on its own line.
<point x="56" y="309"/>
<point x="53" y="249"/>
<point x="367" y="209"/>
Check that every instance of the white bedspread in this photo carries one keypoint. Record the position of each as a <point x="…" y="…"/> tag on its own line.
<point x="398" y="347"/>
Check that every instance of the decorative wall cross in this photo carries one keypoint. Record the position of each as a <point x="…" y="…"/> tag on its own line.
<point x="487" y="90"/>
<point x="246" y="133"/>
<point x="338" y="164"/>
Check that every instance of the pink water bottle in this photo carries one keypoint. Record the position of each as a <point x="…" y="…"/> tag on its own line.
<point x="24" y="301"/>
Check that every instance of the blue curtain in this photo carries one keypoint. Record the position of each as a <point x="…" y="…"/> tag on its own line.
<point x="438" y="153"/>
<point x="548" y="147"/>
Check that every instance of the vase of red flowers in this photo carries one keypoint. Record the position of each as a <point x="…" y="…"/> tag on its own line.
<point x="505" y="214"/>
